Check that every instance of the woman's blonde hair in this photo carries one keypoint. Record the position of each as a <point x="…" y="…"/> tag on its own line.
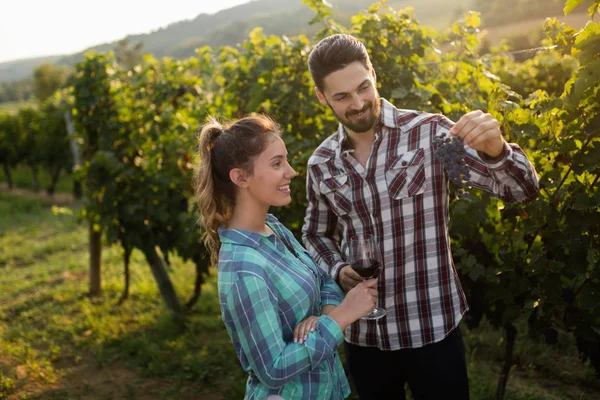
<point x="221" y="149"/>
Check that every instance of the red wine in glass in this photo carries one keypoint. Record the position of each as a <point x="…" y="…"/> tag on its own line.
<point x="365" y="258"/>
<point x="367" y="268"/>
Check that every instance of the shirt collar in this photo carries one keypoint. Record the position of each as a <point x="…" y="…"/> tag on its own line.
<point x="246" y="238"/>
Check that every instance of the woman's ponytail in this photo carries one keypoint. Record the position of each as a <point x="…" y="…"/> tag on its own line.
<point x="212" y="206"/>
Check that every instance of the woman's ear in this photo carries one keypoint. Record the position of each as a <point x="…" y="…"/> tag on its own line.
<point x="239" y="177"/>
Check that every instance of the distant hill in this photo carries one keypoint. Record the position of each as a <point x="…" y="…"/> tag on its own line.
<point x="23" y="68"/>
<point x="232" y="26"/>
<point x="290" y="17"/>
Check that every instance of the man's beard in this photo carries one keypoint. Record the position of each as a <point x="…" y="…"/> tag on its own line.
<point x="365" y="123"/>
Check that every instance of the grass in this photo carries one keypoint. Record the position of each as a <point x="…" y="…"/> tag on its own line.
<point x="12" y="107"/>
<point x="57" y="343"/>
<point x="22" y="178"/>
<point x="54" y="339"/>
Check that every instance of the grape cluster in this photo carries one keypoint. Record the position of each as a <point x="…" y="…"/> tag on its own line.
<point x="450" y="151"/>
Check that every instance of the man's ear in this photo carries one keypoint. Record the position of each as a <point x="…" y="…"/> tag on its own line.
<point x="321" y="96"/>
<point x="239" y="177"/>
<point x="374" y="75"/>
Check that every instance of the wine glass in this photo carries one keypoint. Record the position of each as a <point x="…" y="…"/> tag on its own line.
<point x="365" y="258"/>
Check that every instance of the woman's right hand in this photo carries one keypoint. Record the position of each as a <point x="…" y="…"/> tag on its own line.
<point x="359" y="301"/>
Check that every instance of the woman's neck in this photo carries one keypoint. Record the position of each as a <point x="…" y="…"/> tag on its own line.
<point x="248" y="217"/>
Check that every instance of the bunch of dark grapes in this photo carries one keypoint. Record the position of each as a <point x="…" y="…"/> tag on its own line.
<point x="450" y="151"/>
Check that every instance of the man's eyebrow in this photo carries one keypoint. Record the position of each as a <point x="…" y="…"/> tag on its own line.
<point x="341" y="93"/>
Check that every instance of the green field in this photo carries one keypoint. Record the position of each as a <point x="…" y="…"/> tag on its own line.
<point x="56" y="343"/>
<point x="11" y="107"/>
<point x="22" y="178"/>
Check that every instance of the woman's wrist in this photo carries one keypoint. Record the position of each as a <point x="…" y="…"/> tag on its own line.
<point x="341" y="317"/>
<point x="326" y="309"/>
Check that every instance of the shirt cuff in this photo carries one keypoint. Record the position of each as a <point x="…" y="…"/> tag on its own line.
<point x="331" y="302"/>
<point x="330" y="331"/>
<point x="335" y="271"/>
<point x="500" y="160"/>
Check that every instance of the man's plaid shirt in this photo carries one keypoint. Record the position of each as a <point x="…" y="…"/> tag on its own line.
<point x="265" y="290"/>
<point x="401" y="198"/>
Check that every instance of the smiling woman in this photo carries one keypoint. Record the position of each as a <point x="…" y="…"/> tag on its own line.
<point x="284" y="314"/>
<point x="229" y="156"/>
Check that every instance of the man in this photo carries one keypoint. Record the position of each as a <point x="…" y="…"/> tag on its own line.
<point x="378" y="175"/>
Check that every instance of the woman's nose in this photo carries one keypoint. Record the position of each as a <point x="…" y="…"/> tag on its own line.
<point x="291" y="172"/>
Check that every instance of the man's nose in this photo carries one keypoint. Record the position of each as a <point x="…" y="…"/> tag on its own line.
<point x="357" y="102"/>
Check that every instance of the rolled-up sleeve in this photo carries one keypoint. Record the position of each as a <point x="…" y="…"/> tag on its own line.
<point x="319" y="232"/>
<point x="511" y="176"/>
<point x="331" y="294"/>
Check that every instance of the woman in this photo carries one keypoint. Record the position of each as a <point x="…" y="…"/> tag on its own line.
<point x="284" y="314"/>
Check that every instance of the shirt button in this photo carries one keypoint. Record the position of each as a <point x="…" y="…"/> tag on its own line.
<point x="404" y="163"/>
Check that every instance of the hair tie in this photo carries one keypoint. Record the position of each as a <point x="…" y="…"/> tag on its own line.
<point x="216" y="133"/>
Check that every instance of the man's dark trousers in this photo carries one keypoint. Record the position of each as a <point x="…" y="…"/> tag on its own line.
<point x="435" y="371"/>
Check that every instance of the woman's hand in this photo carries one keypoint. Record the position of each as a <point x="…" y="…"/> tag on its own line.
<point x="304" y="327"/>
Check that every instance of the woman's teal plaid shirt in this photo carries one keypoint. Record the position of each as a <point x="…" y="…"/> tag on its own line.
<point x="265" y="290"/>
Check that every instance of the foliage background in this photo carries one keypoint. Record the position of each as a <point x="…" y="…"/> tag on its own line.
<point x="526" y="267"/>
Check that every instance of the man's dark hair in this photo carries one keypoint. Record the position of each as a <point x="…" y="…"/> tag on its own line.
<point x="333" y="53"/>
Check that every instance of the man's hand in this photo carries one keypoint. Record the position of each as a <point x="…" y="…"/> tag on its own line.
<point x="304" y="327"/>
<point x="358" y="302"/>
<point x="480" y="131"/>
<point x="348" y="278"/>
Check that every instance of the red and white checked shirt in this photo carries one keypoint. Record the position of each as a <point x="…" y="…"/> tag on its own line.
<point x="401" y="198"/>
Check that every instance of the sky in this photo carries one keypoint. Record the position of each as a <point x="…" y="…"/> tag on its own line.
<point x="33" y="28"/>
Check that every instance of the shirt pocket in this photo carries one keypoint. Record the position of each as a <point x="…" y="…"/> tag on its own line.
<point x="405" y="174"/>
<point x="337" y="190"/>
